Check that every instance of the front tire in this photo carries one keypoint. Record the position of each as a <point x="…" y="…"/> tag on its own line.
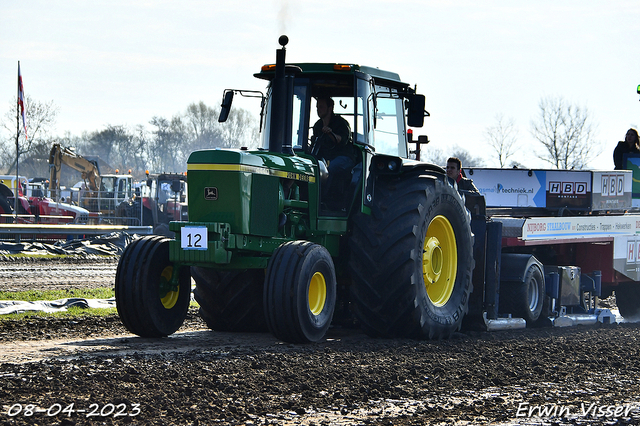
<point x="412" y="259"/>
<point x="147" y="304"/>
<point x="300" y="292"/>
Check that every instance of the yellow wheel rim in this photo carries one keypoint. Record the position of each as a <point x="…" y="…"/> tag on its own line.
<point x="317" y="293"/>
<point x="171" y="298"/>
<point x="439" y="260"/>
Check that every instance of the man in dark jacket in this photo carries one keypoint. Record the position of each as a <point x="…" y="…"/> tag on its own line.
<point x="454" y="171"/>
<point x="630" y="145"/>
<point x="332" y="142"/>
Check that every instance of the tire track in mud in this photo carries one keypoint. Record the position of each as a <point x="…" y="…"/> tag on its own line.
<point x="57" y="275"/>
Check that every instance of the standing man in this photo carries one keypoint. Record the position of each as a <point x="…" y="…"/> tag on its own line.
<point x="630" y="145"/>
<point x="332" y="141"/>
<point x="454" y="171"/>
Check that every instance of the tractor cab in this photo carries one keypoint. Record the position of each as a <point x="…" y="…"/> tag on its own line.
<point x="370" y="101"/>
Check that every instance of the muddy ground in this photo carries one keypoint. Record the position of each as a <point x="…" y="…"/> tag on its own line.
<point x="91" y="371"/>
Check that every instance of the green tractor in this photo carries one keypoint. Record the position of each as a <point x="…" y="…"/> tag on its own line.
<point x="271" y="246"/>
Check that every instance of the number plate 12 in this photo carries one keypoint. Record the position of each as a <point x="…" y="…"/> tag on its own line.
<point x="193" y="238"/>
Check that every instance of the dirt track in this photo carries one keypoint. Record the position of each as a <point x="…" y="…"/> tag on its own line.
<point x="55" y="274"/>
<point x="202" y="377"/>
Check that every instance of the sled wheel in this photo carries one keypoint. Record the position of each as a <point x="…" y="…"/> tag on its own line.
<point x="230" y="300"/>
<point x="147" y="302"/>
<point x="524" y="299"/>
<point x="411" y="260"/>
<point x="628" y="300"/>
<point x="300" y="292"/>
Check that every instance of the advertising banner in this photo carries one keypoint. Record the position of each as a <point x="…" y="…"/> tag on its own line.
<point x="555" y="189"/>
<point x="580" y="227"/>
<point x="510" y="187"/>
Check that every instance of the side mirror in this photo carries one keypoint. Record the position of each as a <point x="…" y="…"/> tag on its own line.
<point x="175" y="186"/>
<point x="227" y="100"/>
<point x="415" y="110"/>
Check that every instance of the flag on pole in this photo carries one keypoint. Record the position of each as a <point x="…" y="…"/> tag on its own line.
<point x="21" y="100"/>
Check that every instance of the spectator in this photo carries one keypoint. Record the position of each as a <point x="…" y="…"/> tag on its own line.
<point x="630" y="145"/>
<point x="454" y="171"/>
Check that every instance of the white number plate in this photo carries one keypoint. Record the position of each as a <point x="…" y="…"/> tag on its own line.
<point x="194" y="238"/>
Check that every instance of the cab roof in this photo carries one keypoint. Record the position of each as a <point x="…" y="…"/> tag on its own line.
<point x="325" y="69"/>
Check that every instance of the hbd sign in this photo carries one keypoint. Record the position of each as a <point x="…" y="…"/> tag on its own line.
<point x="633" y="254"/>
<point x="612" y="185"/>
<point x="568" y="188"/>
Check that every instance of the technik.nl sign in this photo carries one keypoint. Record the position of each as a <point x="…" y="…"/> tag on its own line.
<point x="579" y="227"/>
<point x="511" y="187"/>
<point x="533" y="188"/>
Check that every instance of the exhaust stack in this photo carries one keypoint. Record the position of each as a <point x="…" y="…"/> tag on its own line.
<point x="281" y="99"/>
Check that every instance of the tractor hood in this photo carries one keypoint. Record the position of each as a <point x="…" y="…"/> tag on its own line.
<point x="243" y="189"/>
<point x="267" y="163"/>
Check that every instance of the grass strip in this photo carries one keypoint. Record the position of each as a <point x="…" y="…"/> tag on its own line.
<point x="36" y="295"/>
<point x="71" y="312"/>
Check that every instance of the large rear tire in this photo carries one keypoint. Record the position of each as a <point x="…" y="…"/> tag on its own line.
<point x="628" y="300"/>
<point x="147" y="304"/>
<point x="411" y="260"/>
<point x="300" y="292"/>
<point x="230" y="300"/>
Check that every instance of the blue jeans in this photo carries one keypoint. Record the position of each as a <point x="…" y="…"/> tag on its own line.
<point x="339" y="169"/>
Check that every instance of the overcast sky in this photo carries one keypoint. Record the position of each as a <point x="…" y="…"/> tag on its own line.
<point x="122" y="62"/>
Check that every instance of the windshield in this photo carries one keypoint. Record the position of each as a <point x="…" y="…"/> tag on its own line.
<point x="108" y="184"/>
<point x="355" y="106"/>
<point x="303" y="109"/>
<point x="299" y="113"/>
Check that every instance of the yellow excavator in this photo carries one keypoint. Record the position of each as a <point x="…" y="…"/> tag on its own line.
<point x="100" y="193"/>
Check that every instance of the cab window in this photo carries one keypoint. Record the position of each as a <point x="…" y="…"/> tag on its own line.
<point x="389" y="135"/>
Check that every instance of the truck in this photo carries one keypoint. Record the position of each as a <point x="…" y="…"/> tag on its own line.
<point x="32" y="204"/>
<point x="403" y="253"/>
<point x="160" y="199"/>
<point x="99" y="193"/>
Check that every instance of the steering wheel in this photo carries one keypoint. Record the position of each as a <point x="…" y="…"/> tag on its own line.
<point x="316" y="144"/>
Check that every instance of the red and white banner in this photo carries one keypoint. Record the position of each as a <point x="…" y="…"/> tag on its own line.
<point x="21" y="101"/>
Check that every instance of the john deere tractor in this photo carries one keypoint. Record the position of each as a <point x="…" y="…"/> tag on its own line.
<point x="269" y="249"/>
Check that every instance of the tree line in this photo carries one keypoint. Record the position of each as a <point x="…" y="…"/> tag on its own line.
<point x="163" y="145"/>
<point x="564" y="132"/>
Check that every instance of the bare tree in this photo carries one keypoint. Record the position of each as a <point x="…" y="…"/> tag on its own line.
<point x="203" y="124"/>
<point x="167" y="152"/>
<point x="116" y="145"/>
<point x="436" y="156"/>
<point x="240" y="129"/>
<point x="466" y="158"/>
<point x="566" y="133"/>
<point x="41" y="118"/>
<point x="502" y="138"/>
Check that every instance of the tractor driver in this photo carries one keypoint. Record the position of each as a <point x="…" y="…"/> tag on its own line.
<point x="332" y="142"/>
